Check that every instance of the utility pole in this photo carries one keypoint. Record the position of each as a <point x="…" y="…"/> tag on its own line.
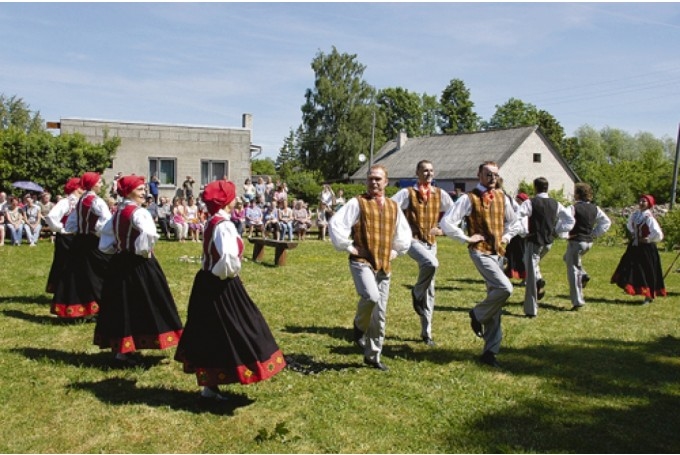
<point x="675" y="170"/>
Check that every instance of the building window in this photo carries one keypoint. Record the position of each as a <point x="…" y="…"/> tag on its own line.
<point x="213" y="170"/>
<point x="165" y="169"/>
<point x="537" y="157"/>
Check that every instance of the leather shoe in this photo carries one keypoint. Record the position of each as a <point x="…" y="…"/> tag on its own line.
<point x="540" y="289"/>
<point x="489" y="358"/>
<point x="358" y="336"/>
<point x="377" y="365"/>
<point x="584" y="281"/>
<point x="576" y="307"/>
<point x="429" y="341"/>
<point x="418" y="304"/>
<point x="476" y="325"/>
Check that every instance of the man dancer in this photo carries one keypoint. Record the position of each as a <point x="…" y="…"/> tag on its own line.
<point x="422" y="203"/>
<point x="491" y="223"/>
<point x="547" y="218"/>
<point x="373" y="230"/>
<point x="591" y="222"/>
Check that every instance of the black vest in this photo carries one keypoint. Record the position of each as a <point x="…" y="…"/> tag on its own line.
<point x="542" y="221"/>
<point x="585" y="215"/>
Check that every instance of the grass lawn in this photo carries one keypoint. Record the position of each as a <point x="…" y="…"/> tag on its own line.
<point x="605" y="379"/>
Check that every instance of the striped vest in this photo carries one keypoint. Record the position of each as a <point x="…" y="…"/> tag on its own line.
<point x="487" y="218"/>
<point x="87" y="219"/>
<point x="422" y="215"/>
<point x="210" y="253"/>
<point x="374" y="232"/>
<point x="123" y="229"/>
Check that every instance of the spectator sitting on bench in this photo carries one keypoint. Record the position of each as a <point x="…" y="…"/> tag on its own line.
<point x="302" y="221"/>
<point x="254" y="219"/>
<point x="271" y="222"/>
<point x="285" y="217"/>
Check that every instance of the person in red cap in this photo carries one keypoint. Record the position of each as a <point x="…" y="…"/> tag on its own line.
<point x="56" y="220"/>
<point x="78" y="292"/>
<point x="137" y="308"/>
<point x="639" y="270"/>
<point x="226" y="339"/>
<point x="514" y="252"/>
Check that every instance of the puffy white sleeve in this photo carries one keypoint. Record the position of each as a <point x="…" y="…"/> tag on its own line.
<point x="450" y="223"/>
<point x="340" y="226"/>
<point x="56" y="213"/>
<point x="143" y="221"/>
<point x="655" y="233"/>
<point x="107" y="239"/>
<point x="225" y="241"/>
<point x="100" y="209"/>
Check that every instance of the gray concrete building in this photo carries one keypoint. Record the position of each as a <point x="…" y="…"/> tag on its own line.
<point x="173" y="152"/>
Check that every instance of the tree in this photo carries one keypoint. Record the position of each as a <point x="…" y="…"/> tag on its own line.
<point x="516" y="112"/>
<point x="431" y="111"/>
<point x="288" y="161"/>
<point x="337" y="116"/>
<point x="457" y="113"/>
<point x="403" y="111"/>
<point x="14" y="112"/>
<point x="264" y="166"/>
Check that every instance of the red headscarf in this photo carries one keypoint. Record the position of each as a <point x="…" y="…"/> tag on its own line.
<point x="650" y="199"/>
<point x="128" y="183"/>
<point x="89" y="180"/>
<point x="218" y="194"/>
<point x="71" y="185"/>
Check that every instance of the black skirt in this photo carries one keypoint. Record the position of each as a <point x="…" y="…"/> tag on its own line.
<point x="137" y="310"/>
<point x="514" y="253"/>
<point x="78" y="291"/>
<point x="62" y="246"/>
<point x="226" y="339"/>
<point x="639" y="271"/>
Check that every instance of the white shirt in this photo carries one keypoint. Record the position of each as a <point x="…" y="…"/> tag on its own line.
<point x="450" y="222"/>
<point x="341" y="229"/>
<point x="99" y="208"/>
<point x="646" y="217"/>
<point x="142" y="221"/>
<point x="602" y="221"/>
<point x="62" y="207"/>
<point x="224" y="238"/>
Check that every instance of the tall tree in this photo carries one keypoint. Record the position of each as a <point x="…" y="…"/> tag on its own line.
<point x="516" y="112"/>
<point x="15" y="112"/>
<point x="337" y="116"/>
<point x="457" y="110"/>
<point x="288" y="160"/>
<point x="431" y="111"/>
<point x="403" y="111"/>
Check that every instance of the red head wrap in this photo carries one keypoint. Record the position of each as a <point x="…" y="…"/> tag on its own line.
<point x="128" y="183"/>
<point x="218" y="194"/>
<point x="650" y="199"/>
<point x="522" y="196"/>
<point x="71" y="185"/>
<point x="89" y="180"/>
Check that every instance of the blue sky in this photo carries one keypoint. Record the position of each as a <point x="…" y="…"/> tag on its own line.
<point x="601" y="64"/>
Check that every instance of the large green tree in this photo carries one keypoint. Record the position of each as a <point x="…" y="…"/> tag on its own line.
<point x="403" y="111"/>
<point x="337" y="116"/>
<point x="457" y="113"/>
<point x="29" y="152"/>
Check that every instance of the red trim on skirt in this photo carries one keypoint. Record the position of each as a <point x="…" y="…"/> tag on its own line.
<point x="632" y="290"/>
<point x="77" y="310"/>
<point x="133" y="343"/>
<point x="245" y="374"/>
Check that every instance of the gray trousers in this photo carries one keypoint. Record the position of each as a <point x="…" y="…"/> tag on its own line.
<point x="498" y="290"/>
<point x="371" y="316"/>
<point x="426" y="257"/>
<point x="575" y="270"/>
<point x="533" y="254"/>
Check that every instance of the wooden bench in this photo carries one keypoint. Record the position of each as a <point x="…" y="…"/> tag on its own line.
<point x="280" y="248"/>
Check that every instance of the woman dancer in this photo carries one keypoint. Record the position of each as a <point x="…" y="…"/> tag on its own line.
<point x="226" y="339"/>
<point x="639" y="271"/>
<point x="56" y="220"/>
<point x="78" y="292"/>
<point x="137" y="308"/>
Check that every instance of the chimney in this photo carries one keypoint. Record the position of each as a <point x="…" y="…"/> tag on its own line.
<point x="248" y="121"/>
<point x="401" y="139"/>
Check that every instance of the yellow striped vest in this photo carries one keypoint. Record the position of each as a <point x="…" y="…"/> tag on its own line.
<point x="487" y="218"/>
<point x="374" y="232"/>
<point x="423" y="216"/>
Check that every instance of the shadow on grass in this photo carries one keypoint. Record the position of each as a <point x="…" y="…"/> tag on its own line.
<point x="118" y="391"/>
<point x="45" y="318"/>
<point x="304" y="364"/>
<point x="101" y="360"/>
<point x="39" y="299"/>
<point x="578" y="416"/>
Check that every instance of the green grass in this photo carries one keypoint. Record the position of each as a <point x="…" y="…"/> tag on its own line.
<point x="604" y="379"/>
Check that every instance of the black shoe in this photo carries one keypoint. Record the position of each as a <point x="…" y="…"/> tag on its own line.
<point x="429" y="341"/>
<point x="124" y="363"/>
<point x="540" y="289"/>
<point x="584" y="281"/>
<point x="489" y="358"/>
<point x="576" y="307"/>
<point x="418" y="305"/>
<point x="529" y="316"/>
<point x="476" y="325"/>
<point x="377" y="365"/>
